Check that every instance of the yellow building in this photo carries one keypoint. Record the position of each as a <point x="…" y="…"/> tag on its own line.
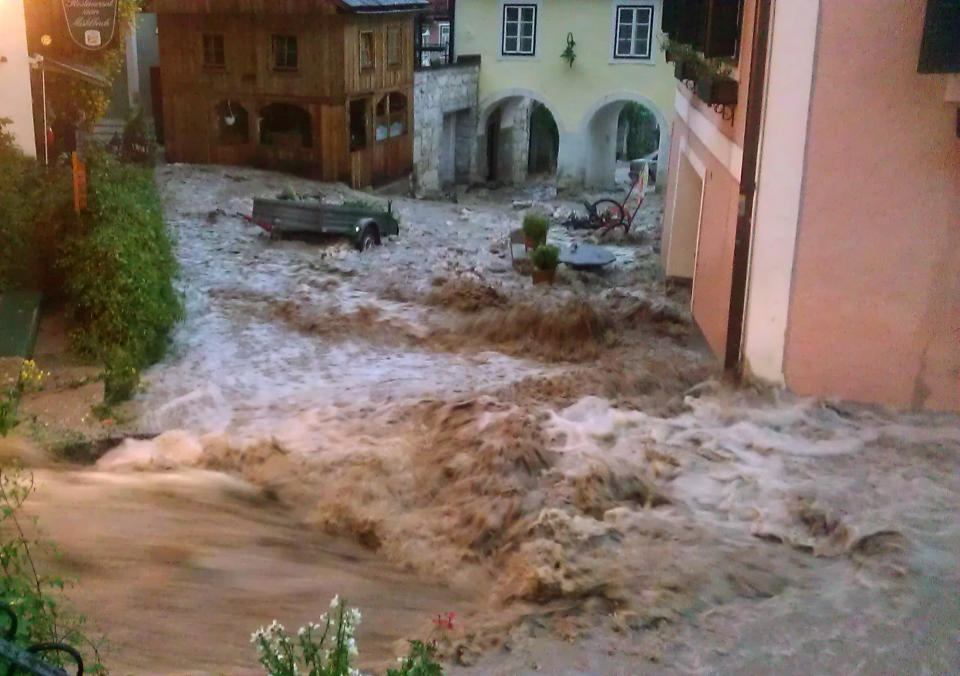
<point x="617" y="60"/>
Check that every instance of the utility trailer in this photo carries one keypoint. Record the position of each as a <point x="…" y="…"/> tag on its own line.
<point x="366" y="226"/>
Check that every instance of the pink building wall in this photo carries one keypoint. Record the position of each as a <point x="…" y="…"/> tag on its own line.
<point x="875" y="308"/>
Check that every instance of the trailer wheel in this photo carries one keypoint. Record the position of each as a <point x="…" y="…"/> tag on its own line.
<point x="369" y="238"/>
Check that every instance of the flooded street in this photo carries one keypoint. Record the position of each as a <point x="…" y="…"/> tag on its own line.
<point x="420" y="430"/>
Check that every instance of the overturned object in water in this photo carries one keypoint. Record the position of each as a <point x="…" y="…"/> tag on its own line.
<point x="586" y="256"/>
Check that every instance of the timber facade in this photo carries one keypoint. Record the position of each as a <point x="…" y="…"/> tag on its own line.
<point x="317" y="87"/>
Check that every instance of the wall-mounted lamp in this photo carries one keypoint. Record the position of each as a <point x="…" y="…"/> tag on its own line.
<point x="568" y="54"/>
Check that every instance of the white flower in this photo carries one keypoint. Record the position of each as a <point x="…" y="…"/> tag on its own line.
<point x="335" y="602"/>
<point x="302" y="631"/>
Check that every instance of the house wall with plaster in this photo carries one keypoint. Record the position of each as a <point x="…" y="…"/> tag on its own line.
<point x="875" y="307"/>
<point x="16" y="101"/>
<point x="585" y="100"/>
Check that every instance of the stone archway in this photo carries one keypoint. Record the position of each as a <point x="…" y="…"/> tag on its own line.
<point x="503" y="134"/>
<point x="600" y="137"/>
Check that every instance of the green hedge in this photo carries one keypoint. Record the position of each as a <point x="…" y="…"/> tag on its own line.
<point x="113" y="267"/>
<point x="118" y="268"/>
<point x="20" y="196"/>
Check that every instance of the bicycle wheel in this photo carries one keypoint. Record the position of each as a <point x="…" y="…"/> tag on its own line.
<point x="609" y="214"/>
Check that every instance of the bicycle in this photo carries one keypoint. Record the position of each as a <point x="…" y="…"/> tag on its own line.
<point x="606" y="214"/>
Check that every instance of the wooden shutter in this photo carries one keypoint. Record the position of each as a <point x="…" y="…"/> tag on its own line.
<point x="692" y="25"/>
<point x="940" y="47"/>
<point x="723" y="28"/>
<point x="670" y="20"/>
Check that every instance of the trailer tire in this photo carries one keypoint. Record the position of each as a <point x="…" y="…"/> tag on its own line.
<point x="369" y="238"/>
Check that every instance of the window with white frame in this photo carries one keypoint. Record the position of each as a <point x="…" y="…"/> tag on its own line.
<point x="519" y="30"/>
<point x="634" y="32"/>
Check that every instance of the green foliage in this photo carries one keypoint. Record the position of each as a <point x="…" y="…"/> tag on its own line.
<point x="703" y="67"/>
<point x="322" y="649"/>
<point x="535" y="226"/>
<point x="20" y="193"/>
<point x="643" y="136"/>
<point x="420" y="661"/>
<point x="118" y="266"/>
<point x="37" y="598"/>
<point x="28" y="378"/>
<point x="328" y="647"/>
<point x="545" y="257"/>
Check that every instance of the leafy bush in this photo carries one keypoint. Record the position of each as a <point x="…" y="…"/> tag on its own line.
<point x="546" y="257"/>
<point x="27" y="378"/>
<point x="420" y="661"/>
<point x="328" y="647"/>
<point x="118" y="266"/>
<point x="535" y="226"/>
<point x="20" y="183"/>
<point x="37" y="599"/>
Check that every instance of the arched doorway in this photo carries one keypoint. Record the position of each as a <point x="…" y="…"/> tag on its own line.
<point x="285" y="125"/>
<point x="608" y="133"/>
<point x="233" y="124"/>
<point x="511" y="125"/>
<point x="544" y="141"/>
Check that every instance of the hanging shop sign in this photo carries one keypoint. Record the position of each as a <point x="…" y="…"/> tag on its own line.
<point x="92" y="23"/>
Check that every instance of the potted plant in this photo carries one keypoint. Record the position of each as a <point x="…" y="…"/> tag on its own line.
<point x="687" y="67"/>
<point x="715" y="86"/>
<point x="535" y="226"/>
<point x="545" y="260"/>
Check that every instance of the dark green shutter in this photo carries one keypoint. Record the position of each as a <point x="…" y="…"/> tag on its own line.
<point x="940" y="48"/>
<point x="723" y="28"/>
<point x="692" y="29"/>
<point x="671" y="16"/>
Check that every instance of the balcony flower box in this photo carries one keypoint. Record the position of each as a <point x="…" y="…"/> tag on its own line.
<point x="717" y="90"/>
<point x="685" y="70"/>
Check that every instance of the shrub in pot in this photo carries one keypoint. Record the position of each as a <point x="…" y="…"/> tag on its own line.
<point x="717" y="89"/>
<point x="535" y="228"/>
<point x="545" y="261"/>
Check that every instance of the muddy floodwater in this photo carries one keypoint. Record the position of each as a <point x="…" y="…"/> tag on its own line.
<point x="420" y="430"/>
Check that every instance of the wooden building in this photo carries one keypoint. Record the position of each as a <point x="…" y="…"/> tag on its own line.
<point x="319" y="87"/>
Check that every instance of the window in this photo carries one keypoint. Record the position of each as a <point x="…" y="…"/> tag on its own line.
<point x="391" y="116"/>
<point x="634" y="27"/>
<point x="358" y="124"/>
<point x="285" y="52"/>
<point x="213" y="56"/>
<point x="394" y="47"/>
<point x="366" y="50"/>
<point x="519" y="30"/>
<point x="444" y="34"/>
<point x="286" y="126"/>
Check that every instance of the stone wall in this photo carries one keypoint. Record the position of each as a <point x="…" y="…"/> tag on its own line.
<point x="447" y="93"/>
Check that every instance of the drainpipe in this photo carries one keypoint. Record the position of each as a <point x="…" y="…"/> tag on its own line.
<point x="452" y="17"/>
<point x="748" y="185"/>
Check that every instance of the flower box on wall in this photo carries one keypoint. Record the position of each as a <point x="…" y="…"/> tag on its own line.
<point x="717" y="90"/>
<point x="685" y="70"/>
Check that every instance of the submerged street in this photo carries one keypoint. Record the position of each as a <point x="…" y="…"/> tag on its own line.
<point x="421" y="430"/>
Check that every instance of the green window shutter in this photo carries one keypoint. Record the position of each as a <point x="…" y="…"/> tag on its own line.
<point x="940" y="48"/>
<point x="671" y="17"/>
<point x="692" y="28"/>
<point x="723" y="28"/>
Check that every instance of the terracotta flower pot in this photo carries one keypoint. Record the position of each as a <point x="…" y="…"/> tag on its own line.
<point x="544" y="276"/>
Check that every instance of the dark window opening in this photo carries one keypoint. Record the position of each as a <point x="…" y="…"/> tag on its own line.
<point x="940" y="46"/>
<point x="285" y="125"/>
<point x="358" y="124"/>
<point x="213" y="52"/>
<point x="233" y="123"/>
<point x="710" y="26"/>
<point x="285" y="52"/>
<point x="391" y="116"/>
<point x="519" y="30"/>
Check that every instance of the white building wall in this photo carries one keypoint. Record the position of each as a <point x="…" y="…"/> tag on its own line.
<point x="16" y="102"/>
<point x="783" y="145"/>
